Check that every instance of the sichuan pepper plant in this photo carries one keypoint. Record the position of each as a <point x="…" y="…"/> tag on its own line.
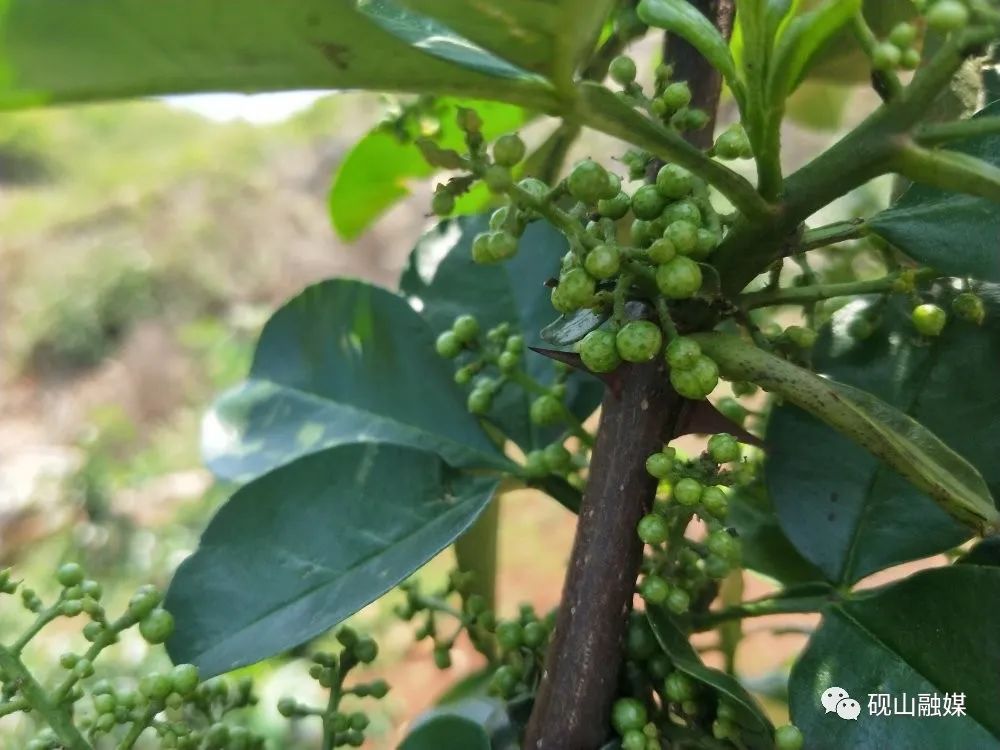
<point x="839" y="355"/>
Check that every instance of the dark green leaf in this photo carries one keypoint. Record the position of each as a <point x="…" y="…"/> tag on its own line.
<point x="842" y="60"/>
<point x="933" y="633"/>
<point x="843" y="509"/>
<point x="550" y="37"/>
<point x="800" y="42"/>
<point x="376" y="172"/>
<point x="443" y="282"/>
<point x="343" y="362"/>
<point x="55" y="51"/>
<point x="765" y="547"/>
<point x="757" y="731"/>
<point x="952" y="232"/>
<point x="447" y="731"/>
<point x="300" y="549"/>
<point x="682" y="18"/>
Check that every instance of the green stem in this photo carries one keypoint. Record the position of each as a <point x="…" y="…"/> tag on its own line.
<point x="329" y="735"/>
<point x="806" y="294"/>
<point x="44" y="618"/>
<point x="138" y="727"/>
<point x="59" y="720"/>
<point x="868" y="41"/>
<point x="934" y="134"/>
<point x="12" y="707"/>
<point x="831" y="234"/>
<point x="758" y="608"/>
<point x="949" y="170"/>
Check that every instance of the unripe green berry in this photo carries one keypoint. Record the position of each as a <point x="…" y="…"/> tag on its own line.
<point x="662" y="251"/>
<point x="633" y="739"/>
<point x="546" y="410"/>
<point x="910" y="59"/>
<point x="659" y="465"/>
<point x="501" y="245"/>
<point x="497" y="178"/>
<point x="697" y="382"/>
<point x="947" y="15"/>
<point x="535" y="635"/>
<point x="535" y="187"/>
<point x="642" y="232"/>
<point x="535" y="466"/>
<point x="678" y="601"/>
<point x="510" y="635"/>
<point x="640" y="642"/>
<point x="886" y="56"/>
<point x="639" y="341"/>
<point x="479" y="401"/>
<point x="288" y="707"/>
<point x="683" y="210"/>
<point x="504" y="681"/>
<point x="577" y="287"/>
<point x="448" y="345"/>
<point x="184" y="678"/>
<point x="365" y="650"/>
<point x="603" y="261"/>
<point x="653" y="529"/>
<point x="654" y="589"/>
<point x="707" y="242"/>
<point x="647" y="202"/>
<point x="442" y="203"/>
<point x="723" y="448"/>
<point x="788" y="737"/>
<point x="679" y="278"/>
<point x="803" y="338"/>
<point x="588" y="182"/>
<point x="674" y="181"/>
<point x="616" y="207"/>
<point x="628" y="714"/>
<point x="69" y="574"/>
<point x="723" y="544"/>
<point x="622" y="70"/>
<point x="157" y="626"/>
<point x="465" y="328"/>
<point x="687" y="491"/>
<point x="683" y="235"/>
<point x="733" y="143"/>
<point x="508" y="150"/>
<point x="481" y="248"/>
<point x="599" y="352"/>
<point x="71" y="608"/>
<point x="929" y="319"/>
<point x="970" y="307"/>
<point x="508" y="362"/>
<point x="717" y="567"/>
<point x="682" y="353"/>
<point x="678" y="687"/>
<point x="676" y="95"/>
<point x="903" y="35"/>
<point x="557" y="458"/>
<point x="155" y="686"/>
<point x="715" y="501"/>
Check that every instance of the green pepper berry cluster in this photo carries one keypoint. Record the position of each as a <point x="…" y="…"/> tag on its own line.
<point x="330" y="670"/>
<point x="898" y="50"/>
<point x="522" y="643"/>
<point x="677" y="571"/>
<point x="176" y="706"/>
<point x="471" y="615"/>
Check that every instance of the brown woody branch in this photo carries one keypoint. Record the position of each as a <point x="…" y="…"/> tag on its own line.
<point x="573" y="706"/>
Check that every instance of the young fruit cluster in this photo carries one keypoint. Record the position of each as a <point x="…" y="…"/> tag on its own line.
<point x="176" y="706"/>
<point x="676" y="570"/>
<point x="522" y="643"/>
<point x="473" y="616"/>
<point x="692" y="374"/>
<point x="670" y="100"/>
<point x="658" y="698"/>
<point x="330" y="670"/>
<point x="899" y="50"/>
